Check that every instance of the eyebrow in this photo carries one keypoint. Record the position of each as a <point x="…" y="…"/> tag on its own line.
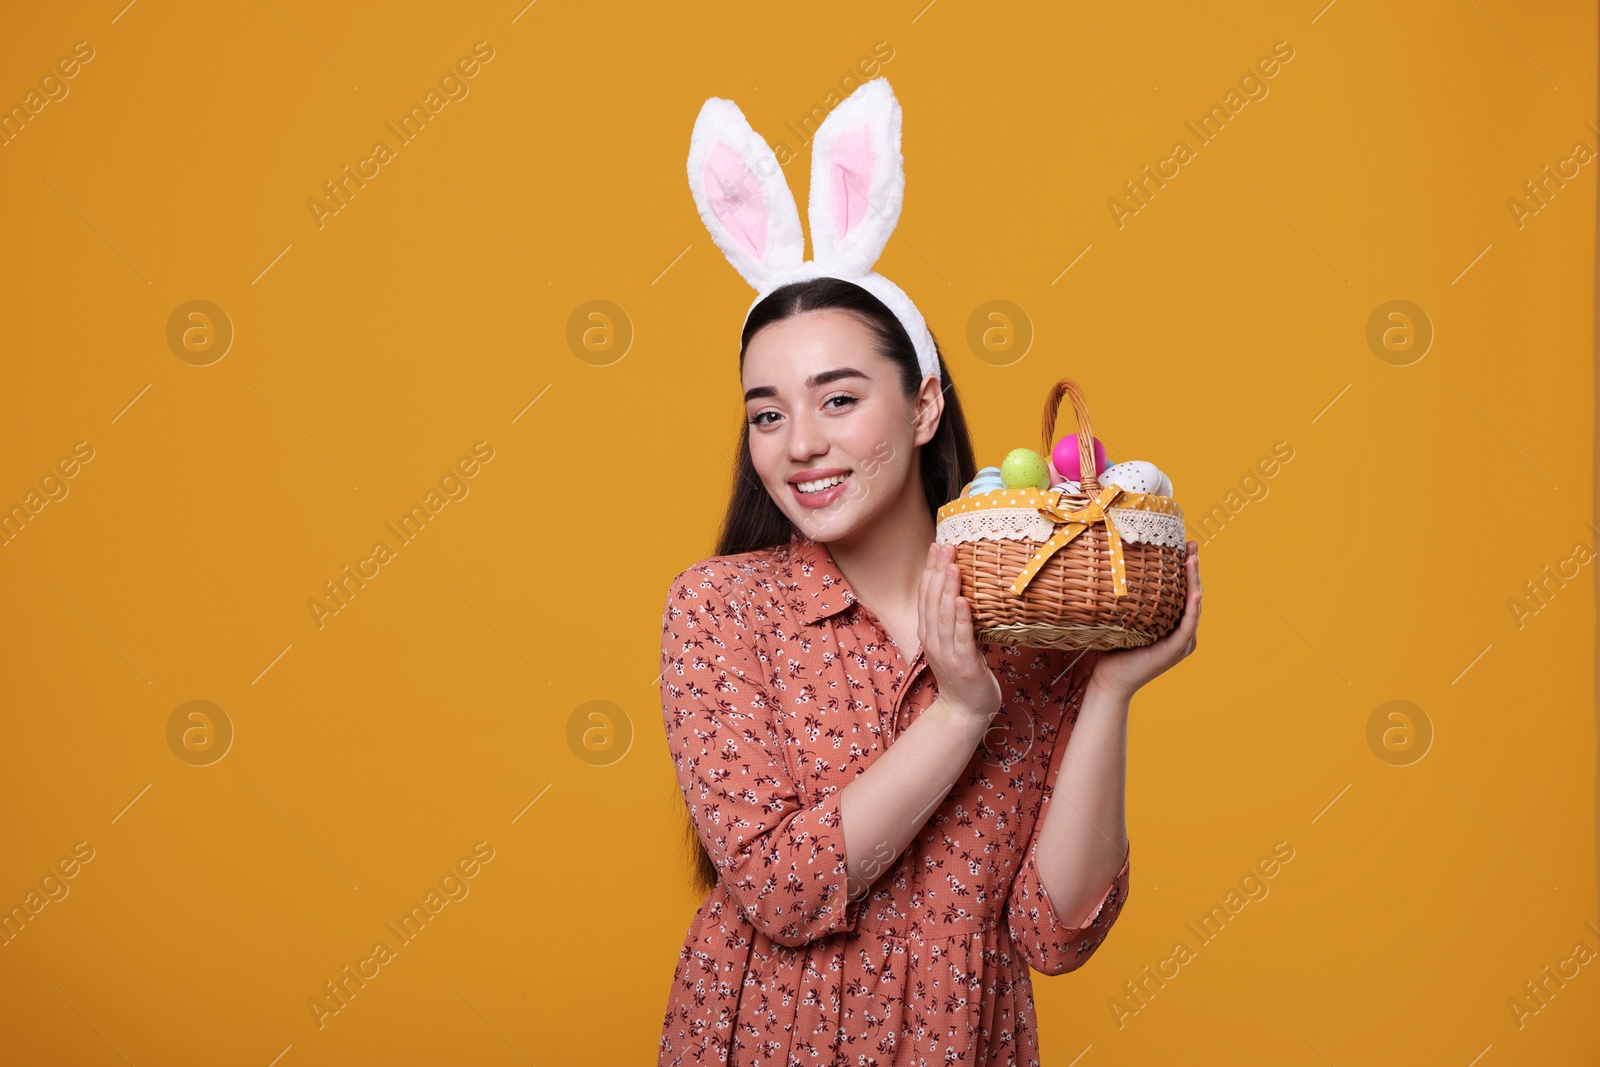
<point x="821" y="378"/>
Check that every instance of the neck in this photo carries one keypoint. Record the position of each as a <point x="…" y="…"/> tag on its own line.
<point x="884" y="564"/>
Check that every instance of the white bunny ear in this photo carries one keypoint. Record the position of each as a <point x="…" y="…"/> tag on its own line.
<point x="743" y="197"/>
<point x="857" y="180"/>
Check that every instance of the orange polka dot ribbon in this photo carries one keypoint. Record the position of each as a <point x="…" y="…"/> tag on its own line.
<point x="1071" y="523"/>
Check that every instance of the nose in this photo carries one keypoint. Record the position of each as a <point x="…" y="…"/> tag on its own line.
<point x="806" y="439"/>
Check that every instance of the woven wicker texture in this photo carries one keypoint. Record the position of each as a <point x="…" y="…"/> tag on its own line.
<point x="1071" y="602"/>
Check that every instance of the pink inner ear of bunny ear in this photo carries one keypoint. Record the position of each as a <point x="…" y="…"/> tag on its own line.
<point x="736" y="198"/>
<point x="850" y="169"/>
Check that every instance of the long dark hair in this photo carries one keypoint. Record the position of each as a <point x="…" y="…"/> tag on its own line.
<point x="753" y="521"/>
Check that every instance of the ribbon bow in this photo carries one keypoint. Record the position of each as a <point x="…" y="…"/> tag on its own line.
<point x="1071" y="523"/>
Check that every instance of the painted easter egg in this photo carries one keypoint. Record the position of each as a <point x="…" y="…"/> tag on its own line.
<point x="986" y="481"/>
<point x="1023" y="468"/>
<point x="1064" y="457"/>
<point x="1133" y="476"/>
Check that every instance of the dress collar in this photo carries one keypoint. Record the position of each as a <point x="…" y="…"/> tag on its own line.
<point x="817" y="588"/>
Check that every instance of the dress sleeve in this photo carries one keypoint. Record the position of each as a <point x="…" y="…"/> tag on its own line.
<point x="782" y="861"/>
<point x="1049" y="945"/>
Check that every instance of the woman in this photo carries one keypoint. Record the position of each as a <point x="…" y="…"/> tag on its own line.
<point x="870" y="789"/>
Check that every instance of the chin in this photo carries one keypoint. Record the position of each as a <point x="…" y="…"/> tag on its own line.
<point x="824" y="530"/>
<point x="837" y="522"/>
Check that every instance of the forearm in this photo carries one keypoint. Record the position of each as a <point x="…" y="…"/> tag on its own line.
<point x="889" y="802"/>
<point x="1083" y="838"/>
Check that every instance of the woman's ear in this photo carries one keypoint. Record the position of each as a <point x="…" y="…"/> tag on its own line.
<point x="930" y="408"/>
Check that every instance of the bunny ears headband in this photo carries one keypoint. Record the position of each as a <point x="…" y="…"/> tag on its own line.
<point x="857" y="186"/>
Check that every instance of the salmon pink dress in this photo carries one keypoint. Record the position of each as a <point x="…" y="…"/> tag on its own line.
<point x="778" y="687"/>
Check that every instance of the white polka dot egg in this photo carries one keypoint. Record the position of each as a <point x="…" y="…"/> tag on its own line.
<point x="1136" y="476"/>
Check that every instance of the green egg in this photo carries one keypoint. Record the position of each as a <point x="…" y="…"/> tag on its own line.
<point x="1025" y="469"/>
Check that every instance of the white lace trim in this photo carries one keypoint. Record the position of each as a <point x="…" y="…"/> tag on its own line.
<point x="1148" y="527"/>
<point x="1026" y="524"/>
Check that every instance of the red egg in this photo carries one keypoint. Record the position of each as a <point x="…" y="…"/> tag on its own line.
<point x="1064" y="457"/>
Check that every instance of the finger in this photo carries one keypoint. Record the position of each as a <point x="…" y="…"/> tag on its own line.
<point x="947" y="603"/>
<point x="938" y="645"/>
<point x="922" y="593"/>
<point x="1180" y="634"/>
<point x="966" y="642"/>
<point x="954" y="597"/>
<point x="1192" y="566"/>
<point x="1177" y="637"/>
<point x="932" y="644"/>
<point x="949" y="589"/>
<point x="1190" y="619"/>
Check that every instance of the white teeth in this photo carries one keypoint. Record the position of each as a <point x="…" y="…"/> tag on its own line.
<point x="820" y="484"/>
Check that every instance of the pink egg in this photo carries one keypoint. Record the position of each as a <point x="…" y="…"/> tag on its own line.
<point x="1064" y="458"/>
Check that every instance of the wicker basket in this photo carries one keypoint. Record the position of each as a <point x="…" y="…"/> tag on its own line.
<point x="1102" y="569"/>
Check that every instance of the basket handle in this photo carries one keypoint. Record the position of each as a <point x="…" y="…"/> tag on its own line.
<point x="1080" y="412"/>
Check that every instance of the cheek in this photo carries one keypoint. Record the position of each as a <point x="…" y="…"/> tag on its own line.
<point x="878" y="439"/>
<point x="766" y="452"/>
<point x="886" y="445"/>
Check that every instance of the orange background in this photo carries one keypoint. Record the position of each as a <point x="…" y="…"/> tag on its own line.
<point x="435" y="710"/>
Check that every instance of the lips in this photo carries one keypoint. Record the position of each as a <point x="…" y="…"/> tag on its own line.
<point x="817" y="485"/>
<point x="819" y="488"/>
<point x="816" y="474"/>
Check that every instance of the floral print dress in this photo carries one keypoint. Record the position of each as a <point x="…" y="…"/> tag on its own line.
<point x="778" y="687"/>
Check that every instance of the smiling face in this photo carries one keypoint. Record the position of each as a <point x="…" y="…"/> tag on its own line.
<point x="833" y="436"/>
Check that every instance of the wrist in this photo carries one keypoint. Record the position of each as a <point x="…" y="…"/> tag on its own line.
<point x="1106" y="695"/>
<point x="956" y="717"/>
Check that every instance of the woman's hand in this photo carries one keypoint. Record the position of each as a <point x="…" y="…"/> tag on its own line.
<point x="1122" y="671"/>
<point x="944" y="626"/>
